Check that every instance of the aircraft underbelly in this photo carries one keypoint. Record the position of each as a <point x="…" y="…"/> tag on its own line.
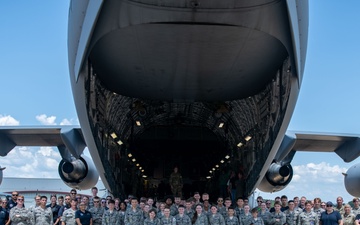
<point x="187" y="62"/>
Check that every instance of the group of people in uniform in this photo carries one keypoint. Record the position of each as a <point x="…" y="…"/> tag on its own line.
<point x="84" y="210"/>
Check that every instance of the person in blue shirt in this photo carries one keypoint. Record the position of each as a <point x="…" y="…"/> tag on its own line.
<point x="82" y="216"/>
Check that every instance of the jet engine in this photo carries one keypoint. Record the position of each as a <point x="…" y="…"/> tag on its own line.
<point x="78" y="173"/>
<point x="352" y="180"/>
<point x="276" y="178"/>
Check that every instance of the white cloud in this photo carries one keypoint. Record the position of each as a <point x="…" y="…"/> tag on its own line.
<point x="8" y="121"/>
<point x="46" y="120"/>
<point x="31" y="162"/>
<point x="65" y="122"/>
<point x="315" y="180"/>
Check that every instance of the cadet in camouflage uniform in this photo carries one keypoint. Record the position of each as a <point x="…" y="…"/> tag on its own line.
<point x="199" y="217"/>
<point x="134" y="215"/>
<point x="176" y="182"/>
<point x="317" y="207"/>
<point x="339" y="206"/>
<point x="356" y="209"/>
<point x="308" y="217"/>
<point x="19" y="215"/>
<point x="264" y="213"/>
<point x="174" y="207"/>
<point x="348" y="217"/>
<point x="223" y="210"/>
<point x="96" y="211"/>
<point x="151" y="219"/>
<point x="231" y="219"/>
<point x="239" y="209"/>
<point x="68" y="216"/>
<point x="215" y="218"/>
<point x="167" y="219"/>
<point x="181" y="218"/>
<point x="291" y="215"/>
<point x="111" y="216"/>
<point x="244" y="218"/>
<point x="255" y="219"/>
<point x="42" y="215"/>
<point x="188" y="210"/>
<point x="277" y="217"/>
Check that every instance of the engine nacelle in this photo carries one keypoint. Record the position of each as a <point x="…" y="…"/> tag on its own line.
<point x="276" y="178"/>
<point x="79" y="174"/>
<point x="352" y="180"/>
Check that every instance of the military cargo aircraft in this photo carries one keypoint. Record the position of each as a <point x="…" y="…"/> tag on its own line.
<point x="202" y="85"/>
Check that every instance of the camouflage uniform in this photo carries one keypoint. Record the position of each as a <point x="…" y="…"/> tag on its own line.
<point x="20" y="216"/>
<point x="182" y="220"/>
<point x="216" y="219"/>
<point x="122" y="217"/>
<point x="274" y="216"/>
<point x="43" y="216"/>
<point x="168" y="221"/>
<point x="265" y="216"/>
<point x="174" y="210"/>
<point x="319" y="211"/>
<point x="239" y="211"/>
<point x="340" y="210"/>
<point x="232" y="221"/>
<point x="69" y="217"/>
<point x="290" y="217"/>
<point x="308" y="218"/>
<point x="245" y="218"/>
<point x="189" y="213"/>
<point x="156" y="221"/>
<point x="111" y="218"/>
<point x="354" y="211"/>
<point x="258" y="221"/>
<point x="202" y="220"/>
<point x="176" y="183"/>
<point x="348" y="219"/>
<point x="134" y="217"/>
<point x="223" y="211"/>
<point x="97" y="214"/>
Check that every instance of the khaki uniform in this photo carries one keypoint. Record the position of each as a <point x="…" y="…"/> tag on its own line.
<point x="43" y="216"/>
<point x="20" y="216"/>
<point x="68" y="217"/>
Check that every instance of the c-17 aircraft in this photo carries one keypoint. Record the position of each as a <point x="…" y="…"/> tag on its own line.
<point x="184" y="83"/>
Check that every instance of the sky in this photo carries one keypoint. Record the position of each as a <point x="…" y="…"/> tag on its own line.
<point x="35" y="88"/>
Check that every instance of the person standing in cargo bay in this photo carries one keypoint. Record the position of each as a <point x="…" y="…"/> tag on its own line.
<point x="176" y="182"/>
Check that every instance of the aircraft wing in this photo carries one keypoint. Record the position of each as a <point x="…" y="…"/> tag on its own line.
<point x="347" y="146"/>
<point x="64" y="137"/>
